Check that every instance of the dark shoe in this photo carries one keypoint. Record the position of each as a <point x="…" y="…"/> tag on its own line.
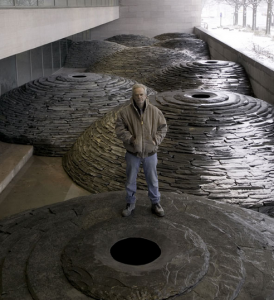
<point x="128" y="210"/>
<point x="157" y="209"/>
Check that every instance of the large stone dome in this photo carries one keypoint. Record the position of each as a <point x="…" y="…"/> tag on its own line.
<point x="202" y="74"/>
<point x="219" y="144"/>
<point x="86" y="53"/>
<point x="132" y="40"/>
<point x="51" y="113"/>
<point x="139" y="62"/>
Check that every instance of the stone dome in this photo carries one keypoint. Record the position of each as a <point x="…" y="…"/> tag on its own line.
<point x="202" y="74"/>
<point x="139" y="62"/>
<point x="197" y="48"/>
<point x="132" y="40"/>
<point x="52" y="112"/>
<point x="175" y="35"/>
<point x="218" y="144"/>
<point x="86" y="53"/>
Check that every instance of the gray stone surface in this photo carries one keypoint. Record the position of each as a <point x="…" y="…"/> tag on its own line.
<point x="132" y="40"/>
<point x="61" y="251"/>
<point x="202" y="74"/>
<point x="86" y="53"/>
<point x="51" y="113"/>
<point x="197" y="48"/>
<point x="219" y="144"/>
<point x="175" y="35"/>
<point x="139" y="62"/>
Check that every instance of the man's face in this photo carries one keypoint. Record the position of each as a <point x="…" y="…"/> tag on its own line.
<point x="139" y="97"/>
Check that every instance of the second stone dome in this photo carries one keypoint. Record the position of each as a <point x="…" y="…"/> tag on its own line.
<point x="51" y="113"/>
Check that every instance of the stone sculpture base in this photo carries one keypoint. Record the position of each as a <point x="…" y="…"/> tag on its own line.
<point x="209" y="250"/>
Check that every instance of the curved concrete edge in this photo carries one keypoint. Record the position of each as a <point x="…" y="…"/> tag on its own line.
<point x="12" y="159"/>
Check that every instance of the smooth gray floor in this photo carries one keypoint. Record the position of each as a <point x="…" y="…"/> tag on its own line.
<point x="40" y="182"/>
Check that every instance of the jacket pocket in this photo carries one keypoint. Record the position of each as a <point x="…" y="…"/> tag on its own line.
<point x="137" y="145"/>
<point x="149" y="145"/>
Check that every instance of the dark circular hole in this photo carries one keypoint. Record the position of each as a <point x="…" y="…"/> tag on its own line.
<point x="135" y="251"/>
<point x="211" y="62"/>
<point x="201" y="96"/>
<point x="79" y="76"/>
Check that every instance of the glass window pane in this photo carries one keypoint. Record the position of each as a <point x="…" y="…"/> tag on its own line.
<point x="61" y="3"/>
<point x="36" y="63"/>
<point x="64" y="50"/>
<point x="6" y="3"/>
<point x="56" y="56"/>
<point x="23" y="67"/>
<point x="26" y="2"/>
<point x="47" y="60"/>
<point x="80" y="2"/>
<point x="46" y="2"/>
<point x="72" y="2"/>
<point x="8" y="76"/>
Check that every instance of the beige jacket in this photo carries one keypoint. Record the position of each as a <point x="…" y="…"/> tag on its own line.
<point x="138" y="132"/>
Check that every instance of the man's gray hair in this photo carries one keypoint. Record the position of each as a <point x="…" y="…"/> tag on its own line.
<point x="137" y="86"/>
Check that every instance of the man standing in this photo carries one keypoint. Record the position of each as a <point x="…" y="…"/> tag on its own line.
<point x="142" y="127"/>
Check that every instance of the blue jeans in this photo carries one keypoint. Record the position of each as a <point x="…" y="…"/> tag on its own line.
<point x="149" y="166"/>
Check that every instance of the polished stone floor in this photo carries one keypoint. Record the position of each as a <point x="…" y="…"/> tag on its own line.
<point x="40" y="182"/>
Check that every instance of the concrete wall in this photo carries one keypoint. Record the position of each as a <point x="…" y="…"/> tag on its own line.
<point x="152" y="17"/>
<point x="23" y="29"/>
<point x="261" y="76"/>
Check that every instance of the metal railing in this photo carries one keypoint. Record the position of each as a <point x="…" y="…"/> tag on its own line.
<point x="56" y="3"/>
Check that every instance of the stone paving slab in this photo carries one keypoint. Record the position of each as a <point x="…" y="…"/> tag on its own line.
<point x="62" y="251"/>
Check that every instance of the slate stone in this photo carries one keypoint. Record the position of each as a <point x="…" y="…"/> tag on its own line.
<point x="204" y="75"/>
<point x="174" y="35"/>
<point x="195" y="47"/>
<point x="86" y="53"/>
<point x="218" y="160"/>
<point x="50" y="113"/>
<point x="208" y="249"/>
<point x="139" y="62"/>
<point x="132" y="40"/>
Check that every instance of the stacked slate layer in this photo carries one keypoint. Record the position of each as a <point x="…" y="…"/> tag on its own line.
<point x="204" y="75"/>
<point x="209" y="249"/>
<point x="51" y="113"/>
<point x="175" y="35"/>
<point x="197" y="48"/>
<point x="219" y="145"/>
<point x="97" y="159"/>
<point x="132" y="40"/>
<point x="137" y="63"/>
<point x="86" y="53"/>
